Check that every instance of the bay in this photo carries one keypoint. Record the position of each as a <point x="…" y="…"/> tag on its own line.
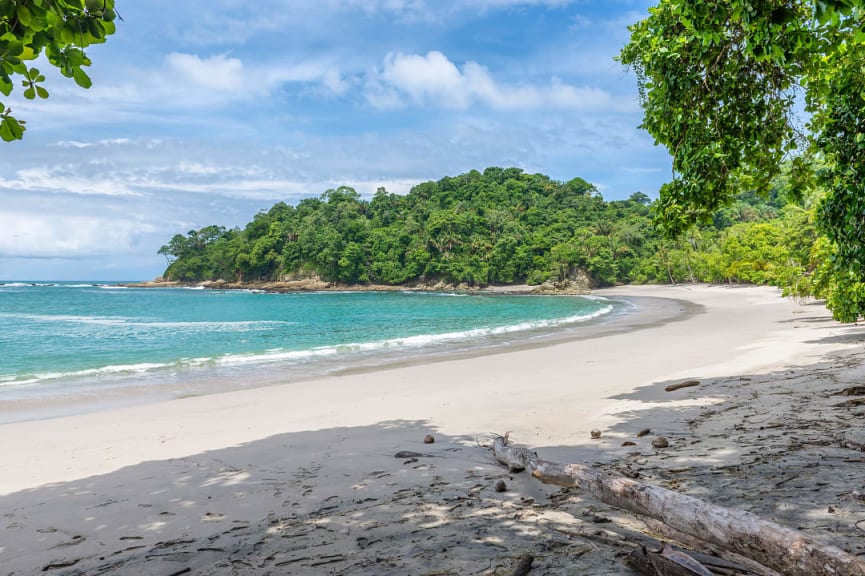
<point x="70" y="338"/>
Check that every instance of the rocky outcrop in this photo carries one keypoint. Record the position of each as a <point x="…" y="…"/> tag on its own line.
<point x="578" y="283"/>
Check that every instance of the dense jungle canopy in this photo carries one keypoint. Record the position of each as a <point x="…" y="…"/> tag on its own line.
<point x="503" y="226"/>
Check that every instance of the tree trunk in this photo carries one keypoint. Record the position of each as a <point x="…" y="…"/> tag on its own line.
<point x="787" y="551"/>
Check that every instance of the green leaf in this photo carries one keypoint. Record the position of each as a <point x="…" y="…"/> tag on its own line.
<point x="14" y="48"/>
<point x="76" y="57"/>
<point x="81" y="78"/>
<point x="42" y="92"/>
<point x="30" y="93"/>
<point x="95" y="28"/>
<point x="24" y="16"/>
<point x="11" y="129"/>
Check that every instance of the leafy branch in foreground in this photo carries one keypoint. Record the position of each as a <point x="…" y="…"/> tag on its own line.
<point x="720" y="82"/>
<point x="59" y="29"/>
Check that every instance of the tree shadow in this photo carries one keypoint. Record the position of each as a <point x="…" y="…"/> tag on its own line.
<point x="785" y="445"/>
<point x="848" y="338"/>
<point x="332" y="501"/>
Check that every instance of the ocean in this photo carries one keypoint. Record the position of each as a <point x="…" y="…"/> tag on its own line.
<point x="62" y="339"/>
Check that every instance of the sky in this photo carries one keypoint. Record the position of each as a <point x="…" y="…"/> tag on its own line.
<point x="207" y="111"/>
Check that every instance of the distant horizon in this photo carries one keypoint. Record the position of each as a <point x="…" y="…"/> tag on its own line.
<point x="81" y="280"/>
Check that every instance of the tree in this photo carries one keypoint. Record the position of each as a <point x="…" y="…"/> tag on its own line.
<point x="719" y="83"/>
<point x="60" y="29"/>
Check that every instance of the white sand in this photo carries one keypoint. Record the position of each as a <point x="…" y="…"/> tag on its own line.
<point x="104" y="492"/>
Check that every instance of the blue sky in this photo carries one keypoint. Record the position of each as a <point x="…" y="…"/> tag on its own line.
<point x="207" y="111"/>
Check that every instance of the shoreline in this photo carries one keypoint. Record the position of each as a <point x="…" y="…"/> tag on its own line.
<point x="300" y="477"/>
<point x="150" y="388"/>
<point x="315" y="284"/>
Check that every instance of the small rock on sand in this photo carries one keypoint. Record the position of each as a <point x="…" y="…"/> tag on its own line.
<point x="595" y="434"/>
<point x="660" y="442"/>
<point x="429" y="439"/>
<point x="501" y="486"/>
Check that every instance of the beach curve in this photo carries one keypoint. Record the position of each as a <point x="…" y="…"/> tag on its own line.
<point x="341" y="429"/>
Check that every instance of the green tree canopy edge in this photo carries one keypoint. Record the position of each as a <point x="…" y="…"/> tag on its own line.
<point x="59" y="29"/>
<point x="719" y="83"/>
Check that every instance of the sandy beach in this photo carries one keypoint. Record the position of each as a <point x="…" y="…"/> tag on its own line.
<point x="301" y="478"/>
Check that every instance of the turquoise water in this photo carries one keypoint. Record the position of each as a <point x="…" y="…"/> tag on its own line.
<point x="56" y="338"/>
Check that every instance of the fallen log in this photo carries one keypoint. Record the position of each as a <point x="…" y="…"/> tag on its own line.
<point x="782" y="549"/>
<point x="685" y="384"/>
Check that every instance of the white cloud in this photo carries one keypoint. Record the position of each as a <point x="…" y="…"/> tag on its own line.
<point x="200" y="169"/>
<point x="56" y="235"/>
<point x="226" y="74"/>
<point x="184" y="86"/>
<point x="221" y="79"/>
<point x="216" y="72"/>
<point x="427" y="78"/>
<point x="68" y="179"/>
<point x="434" y="80"/>
<point x="274" y="74"/>
<point x="104" y="142"/>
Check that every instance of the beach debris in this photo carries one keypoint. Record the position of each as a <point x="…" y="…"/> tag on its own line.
<point x="852" y="391"/>
<point x="595" y="434"/>
<point x="60" y="564"/>
<point x="77" y="539"/>
<point x="851" y="403"/>
<point x="632" y="474"/>
<point x="501" y="486"/>
<point x="639" y="560"/>
<point x="660" y="442"/>
<point x="402" y="454"/>
<point x="684" y="560"/>
<point x="429" y="439"/>
<point x="685" y="384"/>
<point x="644" y="432"/>
<point x="846" y="443"/>
<point x="666" y="561"/>
<point x="787" y="551"/>
<point x="524" y="565"/>
<point x="628" y="443"/>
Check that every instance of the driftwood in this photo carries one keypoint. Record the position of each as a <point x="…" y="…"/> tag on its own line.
<point x="736" y="563"/>
<point x="524" y="565"/>
<point x="685" y="384"/>
<point x="782" y="549"/>
<point x="666" y="561"/>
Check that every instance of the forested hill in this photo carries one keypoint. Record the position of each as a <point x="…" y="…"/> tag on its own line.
<point x="501" y="226"/>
